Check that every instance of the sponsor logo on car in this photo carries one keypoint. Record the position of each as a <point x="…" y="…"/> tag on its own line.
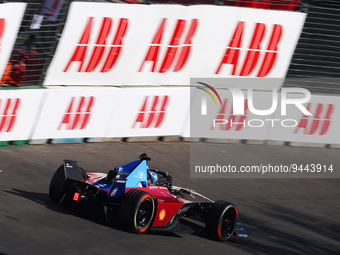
<point x="162" y="214"/>
<point x="140" y="175"/>
<point x="113" y="192"/>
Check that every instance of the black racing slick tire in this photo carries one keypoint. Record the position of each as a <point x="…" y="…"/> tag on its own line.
<point x="222" y="220"/>
<point x="58" y="186"/>
<point x="137" y="211"/>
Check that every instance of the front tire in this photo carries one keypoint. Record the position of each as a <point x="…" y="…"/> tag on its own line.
<point x="222" y="220"/>
<point x="58" y="186"/>
<point x="137" y="211"/>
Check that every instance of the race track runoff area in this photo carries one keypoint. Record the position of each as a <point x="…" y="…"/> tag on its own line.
<point x="281" y="215"/>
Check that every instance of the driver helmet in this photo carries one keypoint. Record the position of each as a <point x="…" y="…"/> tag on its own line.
<point x="153" y="177"/>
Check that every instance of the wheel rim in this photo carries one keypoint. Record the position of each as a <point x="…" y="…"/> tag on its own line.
<point x="227" y="223"/>
<point x="144" y="214"/>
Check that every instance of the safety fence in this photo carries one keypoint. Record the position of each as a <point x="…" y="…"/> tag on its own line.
<point x="36" y="46"/>
<point x="316" y="61"/>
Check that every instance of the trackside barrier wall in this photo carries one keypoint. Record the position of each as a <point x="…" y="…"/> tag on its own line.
<point x="321" y="127"/>
<point x="112" y="112"/>
<point x="120" y="44"/>
<point x="143" y="112"/>
<point x="19" y="110"/>
<point x="158" y="111"/>
<point x="75" y="113"/>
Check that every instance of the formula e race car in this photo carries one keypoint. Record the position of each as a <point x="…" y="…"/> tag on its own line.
<point x="141" y="198"/>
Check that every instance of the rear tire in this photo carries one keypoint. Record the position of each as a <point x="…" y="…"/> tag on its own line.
<point x="222" y="220"/>
<point x="137" y="211"/>
<point x="58" y="186"/>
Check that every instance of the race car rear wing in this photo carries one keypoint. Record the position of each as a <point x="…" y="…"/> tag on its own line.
<point x="73" y="171"/>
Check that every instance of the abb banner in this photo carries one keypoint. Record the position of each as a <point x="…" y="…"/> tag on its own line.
<point x="112" y="112"/>
<point x="151" y="112"/>
<point x="11" y="15"/>
<point x="18" y="113"/>
<point x="154" y="111"/>
<point x="76" y="113"/>
<point x="120" y="44"/>
<point x="322" y="126"/>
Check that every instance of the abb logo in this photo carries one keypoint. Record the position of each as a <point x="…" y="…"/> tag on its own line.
<point x="176" y="50"/>
<point x="227" y="120"/>
<point x="77" y="114"/>
<point x="319" y="121"/>
<point x="97" y="55"/>
<point x="233" y="50"/>
<point x="152" y="112"/>
<point x="8" y="110"/>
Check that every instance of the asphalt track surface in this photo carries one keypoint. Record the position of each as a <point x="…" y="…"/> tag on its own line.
<point x="282" y="216"/>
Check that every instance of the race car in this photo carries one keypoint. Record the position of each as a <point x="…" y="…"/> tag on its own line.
<point x="143" y="199"/>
